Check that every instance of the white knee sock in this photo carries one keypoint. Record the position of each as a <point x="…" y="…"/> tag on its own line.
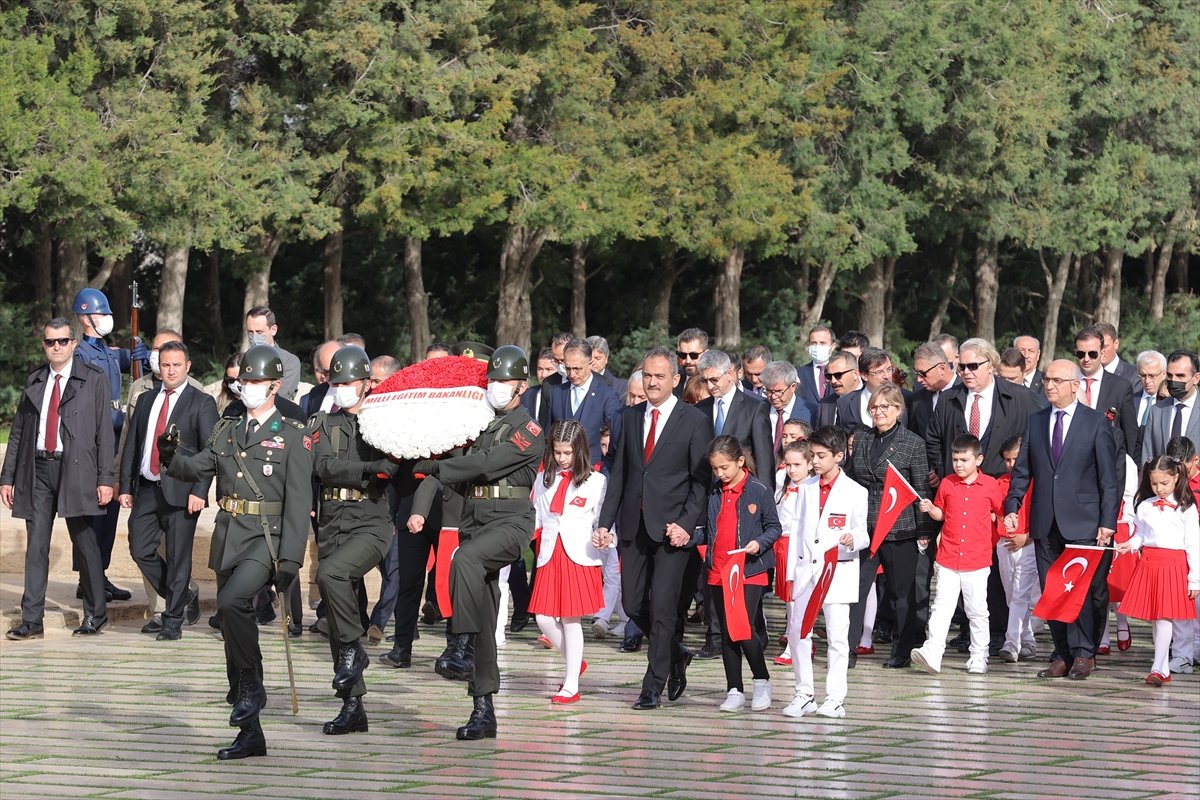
<point x="551" y="629"/>
<point x="869" y="611"/>
<point x="1162" y="646"/>
<point x="572" y="652"/>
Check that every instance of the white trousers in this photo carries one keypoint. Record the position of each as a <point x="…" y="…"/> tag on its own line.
<point x="837" y="634"/>
<point x="610" y="564"/>
<point x="1184" y="634"/>
<point x="502" y="616"/>
<point x="972" y="586"/>
<point x="1018" y="573"/>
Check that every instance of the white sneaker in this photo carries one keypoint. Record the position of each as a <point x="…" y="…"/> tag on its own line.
<point x="832" y="709"/>
<point x="600" y="629"/>
<point x="1181" y="664"/>
<point x="977" y="666"/>
<point x="762" y="695"/>
<point x="802" y="705"/>
<point x="1009" y="654"/>
<point x="734" y="701"/>
<point x="925" y="662"/>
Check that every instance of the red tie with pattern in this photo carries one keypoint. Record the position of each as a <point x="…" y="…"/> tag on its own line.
<point x="1087" y="392"/>
<point x="159" y="428"/>
<point x="559" y="502"/>
<point x="650" y="436"/>
<point x="973" y="424"/>
<point x="52" y="417"/>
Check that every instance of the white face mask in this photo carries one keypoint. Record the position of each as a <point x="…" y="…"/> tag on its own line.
<point x="154" y="361"/>
<point x="103" y="323"/>
<point x="255" y="394"/>
<point x="235" y="389"/>
<point x="345" y="396"/>
<point x="561" y="369"/>
<point x="255" y="339"/>
<point x="819" y="352"/>
<point x="499" y="395"/>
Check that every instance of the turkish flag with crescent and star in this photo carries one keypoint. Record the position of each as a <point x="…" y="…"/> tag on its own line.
<point x="898" y="494"/>
<point x="447" y="547"/>
<point x="1067" y="583"/>
<point x="733" y="579"/>
<point x="817" y="598"/>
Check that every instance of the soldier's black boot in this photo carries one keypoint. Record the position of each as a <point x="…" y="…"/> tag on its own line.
<point x="249" y="742"/>
<point x="351" y="719"/>
<point x="458" y="662"/>
<point x="482" y="724"/>
<point x="251" y="698"/>
<point x="351" y="661"/>
<point x="397" y="657"/>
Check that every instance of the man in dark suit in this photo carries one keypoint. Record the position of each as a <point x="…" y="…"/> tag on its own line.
<point x="875" y="368"/>
<point x="1152" y="387"/>
<point x="936" y="377"/>
<point x="600" y="353"/>
<point x="734" y="412"/>
<point x="319" y="397"/>
<point x="657" y="492"/>
<point x="162" y="506"/>
<point x="813" y="384"/>
<point x="585" y="397"/>
<point x="59" y="463"/>
<point x="531" y="400"/>
<point x="1110" y="343"/>
<point x="555" y="378"/>
<point x="691" y="344"/>
<point x="1031" y="350"/>
<point x="1109" y="394"/>
<point x="1068" y="451"/>
<point x="754" y="360"/>
<point x="1177" y="414"/>
<point x="842" y="374"/>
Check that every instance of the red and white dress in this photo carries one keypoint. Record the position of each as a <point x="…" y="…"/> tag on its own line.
<point x="570" y="578"/>
<point x="1169" y="567"/>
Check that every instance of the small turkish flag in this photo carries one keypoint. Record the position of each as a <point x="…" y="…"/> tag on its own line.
<point x="898" y="494"/>
<point x="1067" y="584"/>
<point x="783" y="587"/>
<point x="447" y="547"/>
<point x="817" y="598"/>
<point x="1122" y="565"/>
<point x="733" y="578"/>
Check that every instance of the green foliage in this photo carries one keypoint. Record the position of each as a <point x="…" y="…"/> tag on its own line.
<point x="1178" y="329"/>
<point x="633" y="346"/>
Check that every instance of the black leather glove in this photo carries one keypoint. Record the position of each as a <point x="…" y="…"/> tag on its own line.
<point x="426" y="466"/>
<point x="168" y="444"/>
<point x="384" y="466"/>
<point x="285" y="573"/>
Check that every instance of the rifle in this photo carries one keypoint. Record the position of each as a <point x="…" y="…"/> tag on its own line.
<point x="135" y="304"/>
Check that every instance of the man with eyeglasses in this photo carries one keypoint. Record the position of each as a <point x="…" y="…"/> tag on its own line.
<point x="320" y="397"/>
<point x="875" y="368"/>
<point x="1110" y="343"/>
<point x="556" y="378"/>
<point x="586" y="398"/>
<point x="1152" y="387"/>
<point x="1108" y="394"/>
<point x="1177" y="414"/>
<point x="737" y="413"/>
<point x="1031" y="349"/>
<point x="936" y="377"/>
<point x="691" y="344"/>
<point x="780" y="380"/>
<point x="59" y="463"/>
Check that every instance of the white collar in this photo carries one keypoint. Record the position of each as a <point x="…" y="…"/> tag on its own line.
<point x="727" y="397"/>
<point x="665" y="409"/>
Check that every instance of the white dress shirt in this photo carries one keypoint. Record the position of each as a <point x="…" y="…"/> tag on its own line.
<point x="1067" y="417"/>
<point x="62" y="387"/>
<point x="986" y="398"/>
<point x="148" y="446"/>
<point x="1081" y="394"/>
<point x="578" y="393"/>
<point x="664" y="412"/>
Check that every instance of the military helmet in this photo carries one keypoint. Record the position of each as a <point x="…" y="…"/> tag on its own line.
<point x="349" y="363"/>
<point x="90" y="301"/>
<point x="508" y="363"/>
<point x="261" y="362"/>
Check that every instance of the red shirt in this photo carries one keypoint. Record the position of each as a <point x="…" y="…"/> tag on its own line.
<point x="966" y="542"/>
<point x="727" y="529"/>
<point x="1000" y="531"/>
<point x="825" y="489"/>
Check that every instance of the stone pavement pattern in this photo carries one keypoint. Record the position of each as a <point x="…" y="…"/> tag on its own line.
<point x="123" y="716"/>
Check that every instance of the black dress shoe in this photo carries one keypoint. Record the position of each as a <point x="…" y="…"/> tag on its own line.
<point x="192" y="614"/>
<point x="214" y="622"/>
<point x="295" y="630"/>
<point x="391" y="637"/>
<point x="251" y="698"/>
<point x="897" y="662"/>
<point x="169" y="633"/>
<point x="677" y="680"/>
<point x="153" y="625"/>
<point x="265" y="615"/>
<point x="112" y="592"/>
<point x="351" y="719"/>
<point x="457" y="663"/>
<point x="852" y="660"/>
<point x="250" y="742"/>
<point x="519" y="623"/>
<point x="351" y="661"/>
<point x="647" y="701"/>
<point x="710" y="650"/>
<point x="397" y="658"/>
<point x="90" y="627"/>
<point x="482" y="722"/>
<point x="430" y="613"/>
<point x="631" y="644"/>
<point x="26" y="630"/>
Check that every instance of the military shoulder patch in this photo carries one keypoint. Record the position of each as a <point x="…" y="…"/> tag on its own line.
<point x="522" y="442"/>
<point x="316" y="436"/>
<point x="533" y="428"/>
<point x="308" y="443"/>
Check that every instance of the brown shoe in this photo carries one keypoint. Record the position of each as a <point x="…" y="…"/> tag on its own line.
<point x="1057" y="669"/>
<point x="1081" y="668"/>
<point x="375" y="634"/>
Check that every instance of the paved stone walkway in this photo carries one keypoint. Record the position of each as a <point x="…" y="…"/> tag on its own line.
<point x="122" y="716"/>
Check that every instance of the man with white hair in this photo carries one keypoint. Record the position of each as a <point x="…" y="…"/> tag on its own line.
<point x="1031" y="349"/>
<point x="600" y="354"/>
<point x="780" y="380"/>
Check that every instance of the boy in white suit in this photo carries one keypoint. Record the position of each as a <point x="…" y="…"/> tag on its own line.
<point x="833" y="513"/>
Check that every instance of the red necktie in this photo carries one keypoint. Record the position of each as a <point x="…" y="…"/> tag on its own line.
<point x="1163" y="505"/>
<point x="779" y="420"/>
<point x="559" y="501"/>
<point x="973" y="424"/>
<point x="1087" y="392"/>
<point x="822" y="382"/>
<point x="52" y="417"/>
<point x="792" y="490"/>
<point x="159" y="428"/>
<point x="650" y="436"/>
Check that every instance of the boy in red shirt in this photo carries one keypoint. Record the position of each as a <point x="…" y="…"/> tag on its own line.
<point x="965" y="504"/>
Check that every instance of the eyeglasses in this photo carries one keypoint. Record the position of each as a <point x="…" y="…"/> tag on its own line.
<point x="1091" y="354"/>
<point x="712" y="381"/>
<point x="923" y="372"/>
<point x="836" y="376"/>
<point x="971" y="366"/>
<point x="61" y="341"/>
<point x="882" y="408"/>
<point x="686" y="356"/>
<point x="880" y="372"/>
<point x="1058" y="381"/>
<point x="778" y="392"/>
<point x="1149" y="377"/>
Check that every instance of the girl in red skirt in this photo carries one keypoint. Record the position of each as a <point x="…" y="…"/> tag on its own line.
<point x="1166" y="581"/>
<point x="570" y="581"/>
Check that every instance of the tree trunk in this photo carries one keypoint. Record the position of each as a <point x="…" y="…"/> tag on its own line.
<point x="874" y="293"/>
<point x="72" y="275"/>
<point x="258" y="282"/>
<point x="1108" y="303"/>
<point x="514" y="322"/>
<point x="1179" y="267"/>
<point x="1056" y="287"/>
<point x="1158" y="291"/>
<point x="41" y="253"/>
<point x="101" y="278"/>
<point x="813" y="313"/>
<point x="889" y="297"/>
<point x="935" y="324"/>
<point x="1148" y="270"/>
<point x="662" y="304"/>
<point x="987" y="288"/>
<point x="332" y="269"/>
<point x="417" y="300"/>
<point x="213" y="292"/>
<point x="171" y="289"/>
<point x="727" y="300"/>
<point x="579" y="289"/>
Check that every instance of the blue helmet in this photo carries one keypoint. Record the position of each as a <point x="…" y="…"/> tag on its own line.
<point x="91" y="301"/>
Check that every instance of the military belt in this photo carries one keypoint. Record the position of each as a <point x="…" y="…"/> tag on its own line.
<point x="349" y="495"/>
<point x="237" y="505"/>
<point x="495" y="492"/>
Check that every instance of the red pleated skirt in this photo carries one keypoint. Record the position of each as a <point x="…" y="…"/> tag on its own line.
<point x="1158" y="587"/>
<point x="566" y="589"/>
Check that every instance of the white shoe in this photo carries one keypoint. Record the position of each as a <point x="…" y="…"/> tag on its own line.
<point x="1028" y="652"/>
<point x="600" y="629"/>
<point x="924" y="662"/>
<point x="1009" y="654"/>
<point x="977" y="667"/>
<point x="801" y="706"/>
<point x="618" y="631"/>
<point x="832" y="709"/>
<point x="734" y="701"/>
<point x="762" y="695"/>
<point x="1181" y="664"/>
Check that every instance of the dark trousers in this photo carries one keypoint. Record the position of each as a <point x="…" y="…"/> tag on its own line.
<point x="235" y="603"/>
<point x="389" y="585"/>
<point x="1076" y="639"/>
<point x="652" y="578"/>
<point x="997" y="602"/>
<point x="519" y="588"/>
<point x="44" y="505"/>
<point x="343" y="561"/>
<point x="752" y="648"/>
<point x="868" y="567"/>
<point x="152" y="520"/>
<point x="104" y="526"/>
<point x="412" y="553"/>
<point x="910" y="596"/>
<point x="715" y="621"/>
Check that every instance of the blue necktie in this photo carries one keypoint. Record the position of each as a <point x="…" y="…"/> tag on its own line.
<point x="1056" y="442"/>
<point x="720" y="426"/>
<point x="575" y="399"/>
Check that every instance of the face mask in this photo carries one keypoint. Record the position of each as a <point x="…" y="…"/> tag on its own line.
<point x="345" y="396"/>
<point x="255" y="394"/>
<point x="255" y="339"/>
<point x="561" y="369"/>
<point x="1178" y="389"/>
<point x="499" y="395"/>
<point x="235" y="388"/>
<point x="819" y="352"/>
<point x="154" y="361"/>
<point x="104" y="324"/>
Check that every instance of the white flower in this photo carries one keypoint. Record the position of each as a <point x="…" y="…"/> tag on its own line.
<point x="419" y="423"/>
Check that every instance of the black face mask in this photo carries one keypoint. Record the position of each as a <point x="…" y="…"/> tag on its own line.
<point x="1178" y="389"/>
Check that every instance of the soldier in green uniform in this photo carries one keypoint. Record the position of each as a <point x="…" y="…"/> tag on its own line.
<point x="354" y="526"/>
<point x="263" y="466"/>
<point x="498" y="470"/>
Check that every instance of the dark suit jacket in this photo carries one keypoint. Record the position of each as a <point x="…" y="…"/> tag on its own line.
<point x="826" y="411"/>
<point x="1011" y="407"/>
<point x="1081" y="492"/>
<point x="1035" y="384"/>
<point x="807" y="390"/>
<point x="529" y="401"/>
<point x="543" y="417"/>
<point x="600" y="407"/>
<point x="673" y="487"/>
<point x="906" y="452"/>
<point x="311" y="403"/>
<point x="1127" y="371"/>
<point x="921" y="408"/>
<point x="748" y="419"/>
<point x="1116" y="393"/>
<point x="1158" y="429"/>
<point x="194" y="413"/>
<point x="618" y="385"/>
<point x="848" y="407"/>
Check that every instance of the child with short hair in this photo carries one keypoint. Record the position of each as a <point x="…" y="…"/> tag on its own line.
<point x="967" y="503"/>
<point x="1018" y="568"/>
<point x="797" y="468"/>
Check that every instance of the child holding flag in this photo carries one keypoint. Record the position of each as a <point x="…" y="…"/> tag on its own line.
<point x="741" y="518"/>
<point x="966" y="502"/>
<point x="824" y="571"/>
<point x="797" y="468"/>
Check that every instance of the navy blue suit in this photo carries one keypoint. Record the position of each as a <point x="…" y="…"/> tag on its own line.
<point x="600" y="406"/>
<point x="808" y="390"/>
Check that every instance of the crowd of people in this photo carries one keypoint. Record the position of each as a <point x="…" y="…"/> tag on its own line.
<point x="639" y="497"/>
